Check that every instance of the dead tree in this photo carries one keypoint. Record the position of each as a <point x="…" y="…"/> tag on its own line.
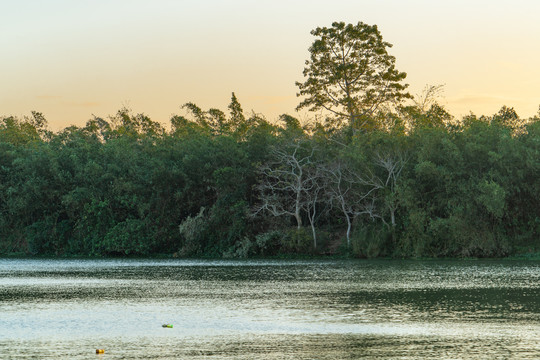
<point x="428" y="97"/>
<point x="350" y="191"/>
<point x="284" y="181"/>
<point x="392" y="164"/>
<point x="315" y="196"/>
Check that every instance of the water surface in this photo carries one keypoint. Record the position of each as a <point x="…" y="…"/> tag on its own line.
<point x="269" y="309"/>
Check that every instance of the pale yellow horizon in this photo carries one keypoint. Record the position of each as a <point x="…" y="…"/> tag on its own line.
<point x="71" y="60"/>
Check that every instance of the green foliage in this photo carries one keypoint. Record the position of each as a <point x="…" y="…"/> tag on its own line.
<point x="370" y="242"/>
<point x="269" y="243"/>
<point x="297" y="241"/>
<point x="350" y="73"/>
<point x="124" y="186"/>
<point x="240" y="250"/>
<point x="192" y="230"/>
<point x="492" y="196"/>
<point x="127" y="238"/>
<point x="419" y="183"/>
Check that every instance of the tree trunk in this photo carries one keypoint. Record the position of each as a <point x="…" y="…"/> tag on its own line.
<point x="314" y="235"/>
<point x="348" y="231"/>
<point x="349" y="225"/>
<point x="298" y="206"/>
<point x="298" y="218"/>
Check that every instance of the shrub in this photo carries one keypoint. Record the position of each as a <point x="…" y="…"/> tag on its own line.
<point x="269" y="243"/>
<point x="192" y="230"/>
<point x="298" y="240"/>
<point x="242" y="249"/>
<point x="369" y="242"/>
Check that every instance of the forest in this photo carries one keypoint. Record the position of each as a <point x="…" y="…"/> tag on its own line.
<point x="378" y="173"/>
<point x="217" y="184"/>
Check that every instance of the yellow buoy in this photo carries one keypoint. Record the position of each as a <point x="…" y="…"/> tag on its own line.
<point x="167" y="325"/>
<point x="100" y="351"/>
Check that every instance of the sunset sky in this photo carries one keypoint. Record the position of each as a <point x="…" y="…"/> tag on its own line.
<point x="73" y="58"/>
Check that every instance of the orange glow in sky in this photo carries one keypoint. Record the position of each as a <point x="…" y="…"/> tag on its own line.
<point x="72" y="59"/>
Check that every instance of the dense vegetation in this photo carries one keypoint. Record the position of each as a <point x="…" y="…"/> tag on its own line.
<point x="374" y="177"/>
<point x="216" y="184"/>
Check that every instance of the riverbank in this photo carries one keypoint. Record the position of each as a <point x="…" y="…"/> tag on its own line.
<point x="340" y="256"/>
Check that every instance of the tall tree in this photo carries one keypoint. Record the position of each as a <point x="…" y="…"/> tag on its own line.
<point x="237" y="119"/>
<point x="350" y="73"/>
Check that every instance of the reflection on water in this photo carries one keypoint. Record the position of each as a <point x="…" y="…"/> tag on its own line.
<point x="269" y="309"/>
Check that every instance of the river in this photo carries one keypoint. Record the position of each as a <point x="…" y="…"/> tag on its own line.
<point x="336" y="309"/>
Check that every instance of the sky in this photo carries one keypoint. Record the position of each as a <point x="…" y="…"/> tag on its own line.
<point x="72" y="59"/>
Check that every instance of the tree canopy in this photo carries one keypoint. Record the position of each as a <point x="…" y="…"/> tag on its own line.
<point x="350" y="73"/>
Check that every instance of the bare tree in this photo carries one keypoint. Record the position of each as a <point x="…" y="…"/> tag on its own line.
<point x="284" y="181"/>
<point x="392" y="164"/>
<point x="428" y="97"/>
<point x="315" y="197"/>
<point x="350" y="191"/>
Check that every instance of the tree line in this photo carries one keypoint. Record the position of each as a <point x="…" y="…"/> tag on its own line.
<point x="225" y="184"/>
<point x="377" y="173"/>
